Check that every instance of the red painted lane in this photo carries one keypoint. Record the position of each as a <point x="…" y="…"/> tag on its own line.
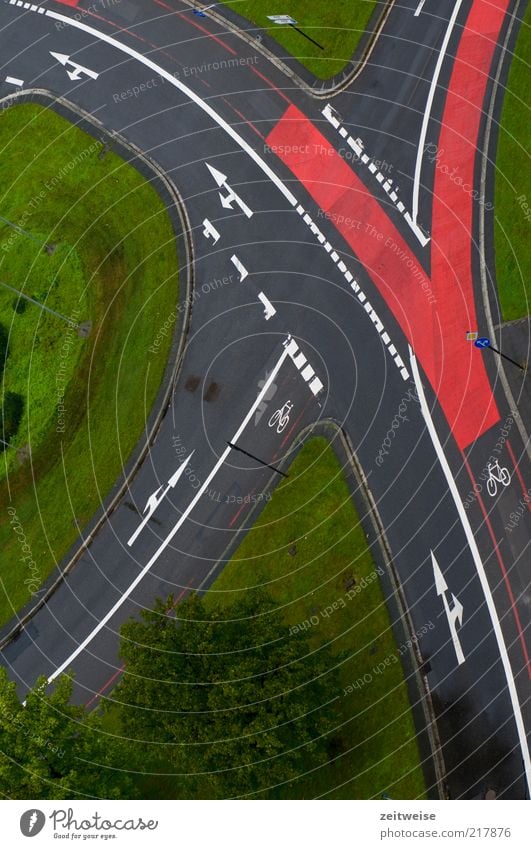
<point x="68" y="2"/>
<point x="436" y="331"/>
<point x="453" y="207"/>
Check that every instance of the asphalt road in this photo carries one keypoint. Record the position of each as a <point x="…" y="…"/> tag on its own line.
<point x="222" y="394"/>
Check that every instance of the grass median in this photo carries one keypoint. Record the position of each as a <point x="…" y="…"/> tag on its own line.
<point x="86" y="394"/>
<point x="336" y="26"/>
<point x="512" y="201"/>
<point x="308" y="552"/>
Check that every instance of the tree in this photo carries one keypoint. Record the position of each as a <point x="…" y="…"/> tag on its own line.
<point x="10" y="416"/>
<point x="4" y="348"/>
<point x="238" y="703"/>
<point x="51" y="749"/>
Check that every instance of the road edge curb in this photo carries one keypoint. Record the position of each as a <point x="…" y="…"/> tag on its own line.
<point x="171" y="373"/>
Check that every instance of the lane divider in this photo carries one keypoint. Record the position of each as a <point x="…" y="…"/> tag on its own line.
<point x="349" y="277"/>
<point x="301" y="363"/>
<point x="188" y="92"/>
<point x="387" y="185"/>
<point x="31" y="7"/>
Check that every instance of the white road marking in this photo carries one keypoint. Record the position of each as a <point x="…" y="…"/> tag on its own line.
<point x="210" y="231"/>
<point x="357" y="146"/>
<point x="231" y="196"/>
<point x="316" y="386"/>
<point x="270" y="310"/>
<point x="453" y="614"/>
<point x="301" y="363"/>
<point x="189" y="93"/>
<point x="14" y="81"/>
<point x="77" y="70"/>
<point x="240" y="267"/>
<point x="480" y="569"/>
<point x="418" y="10"/>
<point x="427" y="112"/>
<point x="143" y="572"/>
<point x="157" y="497"/>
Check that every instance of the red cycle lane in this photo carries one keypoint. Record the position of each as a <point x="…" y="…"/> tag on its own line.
<point x="433" y="317"/>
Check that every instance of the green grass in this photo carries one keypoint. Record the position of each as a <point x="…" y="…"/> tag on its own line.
<point x="115" y="265"/>
<point x="375" y="744"/>
<point x="513" y="186"/>
<point x="337" y="26"/>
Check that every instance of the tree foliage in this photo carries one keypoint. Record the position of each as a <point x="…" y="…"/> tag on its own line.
<point x="239" y="704"/>
<point x="51" y="749"/>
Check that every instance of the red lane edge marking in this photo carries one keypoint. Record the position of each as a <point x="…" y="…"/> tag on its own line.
<point x="270" y="84"/>
<point x="244" y="119"/>
<point x="244" y="505"/>
<point x="73" y="3"/>
<point x="105" y="686"/>
<point x="121" y="669"/>
<point x="504" y="573"/>
<point x="436" y="331"/>
<point x="195" y="24"/>
<point x="519" y="474"/>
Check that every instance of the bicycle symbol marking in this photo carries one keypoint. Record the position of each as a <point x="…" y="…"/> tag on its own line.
<point x="280" y="417"/>
<point x="497" y="474"/>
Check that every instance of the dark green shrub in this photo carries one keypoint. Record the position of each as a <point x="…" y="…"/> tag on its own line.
<point x="10" y="417"/>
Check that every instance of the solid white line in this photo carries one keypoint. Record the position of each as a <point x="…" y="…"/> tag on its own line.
<point x="418" y="10"/>
<point x="427" y="111"/>
<point x="82" y="646"/>
<point x="14" y="81"/>
<point x="480" y="569"/>
<point x="108" y="39"/>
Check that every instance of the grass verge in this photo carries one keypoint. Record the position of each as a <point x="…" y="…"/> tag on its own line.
<point x="86" y="400"/>
<point x="337" y="26"/>
<point x="512" y="199"/>
<point x="308" y="551"/>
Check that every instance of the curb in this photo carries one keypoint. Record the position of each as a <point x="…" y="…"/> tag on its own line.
<point x="490" y="139"/>
<point x="312" y="86"/>
<point x="428" y="724"/>
<point x="95" y="128"/>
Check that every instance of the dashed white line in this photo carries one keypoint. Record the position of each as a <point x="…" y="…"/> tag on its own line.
<point x="356" y="145"/>
<point x="14" y="81"/>
<point x="202" y="104"/>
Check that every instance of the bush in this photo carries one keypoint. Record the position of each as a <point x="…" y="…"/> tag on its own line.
<point x="10" y="417"/>
<point x="4" y="348"/>
<point x="19" y="305"/>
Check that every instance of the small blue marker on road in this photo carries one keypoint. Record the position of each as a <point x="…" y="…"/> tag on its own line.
<point x="482" y="342"/>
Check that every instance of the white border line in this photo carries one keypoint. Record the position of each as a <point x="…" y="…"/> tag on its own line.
<point x="290" y="197"/>
<point x="480" y="569"/>
<point x="176" y="527"/>
<point x="427" y="113"/>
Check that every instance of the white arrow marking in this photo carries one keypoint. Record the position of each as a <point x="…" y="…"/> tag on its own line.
<point x="270" y="310"/>
<point x="454" y="614"/>
<point x="209" y="230"/>
<point x="77" y="70"/>
<point x="155" y="499"/>
<point x="230" y="198"/>
<point x="240" y="268"/>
